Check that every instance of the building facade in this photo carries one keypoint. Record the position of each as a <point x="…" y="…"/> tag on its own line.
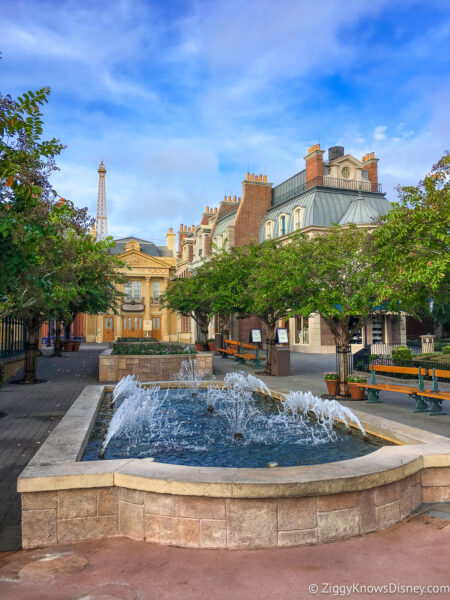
<point x="339" y="190"/>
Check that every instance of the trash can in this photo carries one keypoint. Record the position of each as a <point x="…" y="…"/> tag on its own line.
<point x="281" y="361"/>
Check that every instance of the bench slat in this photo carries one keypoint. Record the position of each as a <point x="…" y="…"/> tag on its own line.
<point x="389" y="369"/>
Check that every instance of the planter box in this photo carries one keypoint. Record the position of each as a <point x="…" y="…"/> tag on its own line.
<point x="160" y="367"/>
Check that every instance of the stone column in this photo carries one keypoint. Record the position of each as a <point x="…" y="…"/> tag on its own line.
<point x="147" y="298"/>
<point x="165" y="316"/>
<point x="427" y="344"/>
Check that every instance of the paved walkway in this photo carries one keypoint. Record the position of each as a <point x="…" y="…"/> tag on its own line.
<point x="30" y="414"/>
<point x="411" y="554"/>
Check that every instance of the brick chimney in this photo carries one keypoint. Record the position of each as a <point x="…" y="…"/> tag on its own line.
<point x="181" y="235"/>
<point x="370" y="163"/>
<point x="314" y="166"/>
<point x="256" y="201"/>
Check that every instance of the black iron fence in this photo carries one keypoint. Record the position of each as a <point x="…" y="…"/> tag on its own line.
<point x="13" y="337"/>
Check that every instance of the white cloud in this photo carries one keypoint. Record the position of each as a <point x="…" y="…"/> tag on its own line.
<point x="380" y="132"/>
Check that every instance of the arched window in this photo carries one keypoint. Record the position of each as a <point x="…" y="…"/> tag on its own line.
<point x="299" y="215"/>
<point x="282" y="225"/>
<point x="269" y="230"/>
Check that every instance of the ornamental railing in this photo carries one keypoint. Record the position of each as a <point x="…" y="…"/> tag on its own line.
<point x="13" y="337"/>
<point x="325" y="181"/>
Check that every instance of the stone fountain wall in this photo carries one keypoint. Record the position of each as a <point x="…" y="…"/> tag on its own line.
<point x="159" y="367"/>
<point x="74" y="515"/>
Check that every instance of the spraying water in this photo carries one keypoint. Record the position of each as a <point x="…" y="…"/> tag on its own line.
<point x="177" y="423"/>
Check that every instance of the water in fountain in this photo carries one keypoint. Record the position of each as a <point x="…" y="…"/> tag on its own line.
<point x="246" y="428"/>
<point x="188" y="371"/>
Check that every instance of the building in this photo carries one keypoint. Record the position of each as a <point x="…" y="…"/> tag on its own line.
<point x="140" y="313"/>
<point x="340" y="190"/>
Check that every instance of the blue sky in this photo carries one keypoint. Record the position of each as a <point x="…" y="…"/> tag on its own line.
<point x="181" y="98"/>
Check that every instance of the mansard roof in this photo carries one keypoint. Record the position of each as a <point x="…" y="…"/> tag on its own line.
<point x="361" y="210"/>
<point x="325" y="207"/>
<point x="147" y="247"/>
<point x="222" y="224"/>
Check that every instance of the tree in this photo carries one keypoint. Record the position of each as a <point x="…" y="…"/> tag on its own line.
<point x="255" y="280"/>
<point x="187" y="296"/>
<point x="25" y="193"/>
<point x="413" y="240"/>
<point x="343" y="284"/>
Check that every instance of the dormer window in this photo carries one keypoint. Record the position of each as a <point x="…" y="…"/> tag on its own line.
<point x="282" y="224"/>
<point x="346" y="173"/>
<point x="299" y="214"/>
<point x="269" y="230"/>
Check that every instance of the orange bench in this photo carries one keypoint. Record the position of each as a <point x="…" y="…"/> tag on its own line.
<point x="243" y="355"/>
<point x="421" y="395"/>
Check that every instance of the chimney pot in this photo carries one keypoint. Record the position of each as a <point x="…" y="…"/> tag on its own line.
<point x="171" y="230"/>
<point x="252" y="177"/>
<point x="234" y="198"/>
<point x="215" y="210"/>
<point x="265" y="178"/>
<point x="247" y="177"/>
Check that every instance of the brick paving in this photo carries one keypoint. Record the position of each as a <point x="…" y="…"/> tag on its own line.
<point x="32" y="412"/>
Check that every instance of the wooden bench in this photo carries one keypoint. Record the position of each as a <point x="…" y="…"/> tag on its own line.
<point x="421" y="395"/>
<point x="231" y="348"/>
<point x="242" y="356"/>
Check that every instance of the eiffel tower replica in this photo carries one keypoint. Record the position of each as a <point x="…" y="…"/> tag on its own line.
<point x="102" y="220"/>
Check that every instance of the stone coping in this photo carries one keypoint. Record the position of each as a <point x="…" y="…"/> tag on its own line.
<point x="57" y="465"/>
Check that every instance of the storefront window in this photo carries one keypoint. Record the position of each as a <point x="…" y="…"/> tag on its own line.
<point x="302" y="330"/>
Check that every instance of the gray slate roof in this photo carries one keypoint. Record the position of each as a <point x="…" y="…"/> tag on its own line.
<point x="325" y="207"/>
<point x="362" y="210"/>
<point x="146" y="247"/>
<point x="224" y="222"/>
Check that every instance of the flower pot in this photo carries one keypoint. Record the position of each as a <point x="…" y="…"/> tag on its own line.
<point x="67" y="346"/>
<point x="75" y="346"/>
<point x="212" y="346"/>
<point x="199" y="347"/>
<point x="332" y="385"/>
<point x="356" y="392"/>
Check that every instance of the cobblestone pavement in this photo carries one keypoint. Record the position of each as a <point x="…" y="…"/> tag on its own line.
<point x="30" y="414"/>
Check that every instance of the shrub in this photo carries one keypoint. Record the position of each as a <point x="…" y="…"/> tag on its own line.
<point x="150" y="349"/>
<point x="401" y="354"/>
<point x="136" y="339"/>
<point x="445" y="349"/>
<point x="330" y="376"/>
<point x="373" y="357"/>
<point x="356" y="379"/>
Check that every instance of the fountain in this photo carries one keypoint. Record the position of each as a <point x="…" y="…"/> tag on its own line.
<point x="230" y="464"/>
<point x="234" y="423"/>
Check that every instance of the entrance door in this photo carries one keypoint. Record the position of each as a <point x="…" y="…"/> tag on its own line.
<point x="132" y="327"/>
<point x="108" y="329"/>
<point x="156" y="328"/>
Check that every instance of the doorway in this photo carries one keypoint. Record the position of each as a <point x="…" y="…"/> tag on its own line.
<point x="108" y="329"/>
<point x="132" y="327"/>
<point x="156" y="328"/>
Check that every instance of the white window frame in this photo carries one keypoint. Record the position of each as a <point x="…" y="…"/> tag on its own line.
<point x="299" y="217"/>
<point x="280" y="220"/>
<point x="269" y="229"/>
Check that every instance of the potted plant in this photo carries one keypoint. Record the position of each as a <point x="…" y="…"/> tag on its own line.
<point x="199" y="346"/>
<point x="67" y="346"/>
<point x="211" y="344"/>
<point x="356" y="392"/>
<point x="331" y="379"/>
<point x="76" y="346"/>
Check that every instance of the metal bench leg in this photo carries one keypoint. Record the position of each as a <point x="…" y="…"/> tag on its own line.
<point x="256" y="363"/>
<point x="240" y="360"/>
<point x="373" y="396"/>
<point x="421" y="404"/>
<point x="436" y="407"/>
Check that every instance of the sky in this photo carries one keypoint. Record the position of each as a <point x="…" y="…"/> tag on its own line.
<point x="181" y="98"/>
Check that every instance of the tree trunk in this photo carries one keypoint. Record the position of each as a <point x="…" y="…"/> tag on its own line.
<point x="270" y="346"/>
<point x="343" y="343"/>
<point x="32" y="345"/>
<point x="67" y="327"/>
<point x="57" y="351"/>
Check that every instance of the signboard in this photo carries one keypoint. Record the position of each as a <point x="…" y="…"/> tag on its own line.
<point x="282" y="336"/>
<point x="255" y="336"/>
<point x="147" y="325"/>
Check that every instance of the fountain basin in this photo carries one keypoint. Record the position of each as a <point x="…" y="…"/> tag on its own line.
<point x="67" y="500"/>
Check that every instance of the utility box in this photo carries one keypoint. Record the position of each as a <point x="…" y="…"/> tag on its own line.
<point x="281" y="361"/>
